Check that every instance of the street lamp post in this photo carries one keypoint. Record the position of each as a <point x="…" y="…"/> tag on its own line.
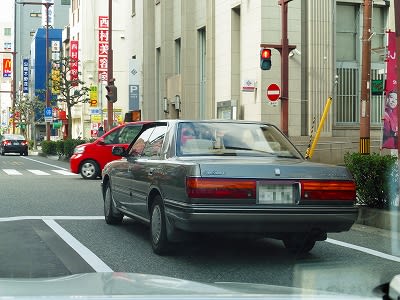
<point x="47" y="6"/>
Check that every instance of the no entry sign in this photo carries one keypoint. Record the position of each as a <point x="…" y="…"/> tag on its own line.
<point x="273" y="92"/>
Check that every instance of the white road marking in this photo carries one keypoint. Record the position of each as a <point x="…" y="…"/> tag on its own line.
<point x="63" y="172"/>
<point x="22" y="218"/>
<point x="96" y="263"/>
<point x="39" y="172"/>
<point x="11" y="172"/>
<point x="43" y="163"/>
<point x="365" y="250"/>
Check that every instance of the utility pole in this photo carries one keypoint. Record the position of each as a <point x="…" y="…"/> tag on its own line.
<point x="110" y="112"/>
<point x="366" y="80"/>
<point x="284" y="48"/>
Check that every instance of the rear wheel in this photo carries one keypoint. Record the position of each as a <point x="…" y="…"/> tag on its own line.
<point x="89" y="169"/>
<point x="158" y="228"/>
<point x="299" y="244"/>
<point x="111" y="214"/>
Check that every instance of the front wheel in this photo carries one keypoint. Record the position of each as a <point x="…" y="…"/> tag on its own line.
<point x="111" y="214"/>
<point x="158" y="228"/>
<point x="89" y="169"/>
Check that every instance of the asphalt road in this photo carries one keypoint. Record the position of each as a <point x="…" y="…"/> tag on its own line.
<point x="51" y="224"/>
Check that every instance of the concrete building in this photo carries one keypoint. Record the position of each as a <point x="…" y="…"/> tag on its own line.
<point x="6" y="72"/>
<point x="28" y="18"/>
<point x="200" y="59"/>
<point x="85" y="27"/>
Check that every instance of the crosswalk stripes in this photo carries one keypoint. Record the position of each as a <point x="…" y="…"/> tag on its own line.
<point x="13" y="172"/>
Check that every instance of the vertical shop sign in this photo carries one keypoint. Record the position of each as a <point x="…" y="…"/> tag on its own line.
<point x="25" y="76"/>
<point x="73" y="53"/>
<point x="7" y="67"/>
<point x="103" y="48"/>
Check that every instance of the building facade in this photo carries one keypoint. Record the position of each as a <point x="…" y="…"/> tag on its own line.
<point x="200" y="60"/>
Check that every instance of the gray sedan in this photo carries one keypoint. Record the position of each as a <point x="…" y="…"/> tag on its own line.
<point x="226" y="177"/>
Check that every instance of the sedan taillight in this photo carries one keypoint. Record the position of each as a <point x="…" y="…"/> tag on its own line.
<point x="24" y="143"/>
<point x="220" y="188"/>
<point x="7" y="143"/>
<point x="328" y="190"/>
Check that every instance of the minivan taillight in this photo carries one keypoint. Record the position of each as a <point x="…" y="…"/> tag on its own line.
<point x="328" y="190"/>
<point x="220" y="188"/>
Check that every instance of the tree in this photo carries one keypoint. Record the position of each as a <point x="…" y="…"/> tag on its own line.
<point x="28" y="110"/>
<point x="66" y="84"/>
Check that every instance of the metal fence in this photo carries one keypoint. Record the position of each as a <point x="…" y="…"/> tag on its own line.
<point x="347" y="104"/>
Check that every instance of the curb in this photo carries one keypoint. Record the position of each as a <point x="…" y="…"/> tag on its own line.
<point x="379" y="218"/>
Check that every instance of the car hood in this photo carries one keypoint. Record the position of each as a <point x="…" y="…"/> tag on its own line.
<point x="121" y="285"/>
<point x="269" y="167"/>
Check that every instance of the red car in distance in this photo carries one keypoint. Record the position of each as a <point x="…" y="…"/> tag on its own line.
<point x="90" y="158"/>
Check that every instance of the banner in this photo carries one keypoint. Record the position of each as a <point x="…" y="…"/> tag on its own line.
<point x="25" y="75"/>
<point x="73" y="54"/>
<point x="390" y="115"/>
<point x="7" y="67"/>
<point x="103" y="48"/>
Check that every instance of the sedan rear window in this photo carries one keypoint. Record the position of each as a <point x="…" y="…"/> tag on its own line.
<point x="233" y="139"/>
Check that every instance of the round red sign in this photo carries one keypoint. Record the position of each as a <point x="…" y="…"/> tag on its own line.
<point x="273" y="92"/>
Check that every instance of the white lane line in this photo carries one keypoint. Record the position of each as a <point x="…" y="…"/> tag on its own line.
<point x="365" y="250"/>
<point x="11" y="172"/>
<point x="43" y="163"/>
<point x="96" y="263"/>
<point x="63" y="172"/>
<point x="39" y="172"/>
<point x="22" y="218"/>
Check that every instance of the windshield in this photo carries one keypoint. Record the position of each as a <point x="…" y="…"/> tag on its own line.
<point x="234" y="139"/>
<point x="244" y="144"/>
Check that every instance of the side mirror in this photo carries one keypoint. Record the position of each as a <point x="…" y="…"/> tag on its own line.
<point x="118" y="151"/>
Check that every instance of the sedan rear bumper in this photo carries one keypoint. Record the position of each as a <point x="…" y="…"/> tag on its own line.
<point x="260" y="219"/>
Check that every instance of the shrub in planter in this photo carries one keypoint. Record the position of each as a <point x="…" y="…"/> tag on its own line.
<point x="60" y="147"/>
<point x="49" y="147"/>
<point x="70" y="144"/>
<point x="376" y="178"/>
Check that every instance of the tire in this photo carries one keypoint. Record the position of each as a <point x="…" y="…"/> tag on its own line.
<point x="89" y="169"/>
<point x="2" y="152"/>
<point x="299" y="244"/>
<point x="158" y="229"/>
<point x="111" y="214"/>
<point x="26" y="153"/>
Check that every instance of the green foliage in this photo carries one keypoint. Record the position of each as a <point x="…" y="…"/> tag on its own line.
<point x="60" y="147"/>
<point x="376" y="178"/>
<point x="49" y="147"/>
<point x="70" y="144"/>
<point x="31" y="144"/>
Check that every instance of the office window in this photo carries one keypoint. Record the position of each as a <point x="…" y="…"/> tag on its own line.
<point x="35" y="15"/>
<point x="7" y="31"/>
<point x="178" y="56"/>
<point x="347" y="25"/>
<point x="378" y="31"/>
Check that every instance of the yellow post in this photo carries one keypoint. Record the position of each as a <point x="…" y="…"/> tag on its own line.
<point x="321" y="123"/>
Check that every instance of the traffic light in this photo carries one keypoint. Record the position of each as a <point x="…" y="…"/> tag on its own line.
<point x="265" y="59"/>
<point x="111" y="93"/>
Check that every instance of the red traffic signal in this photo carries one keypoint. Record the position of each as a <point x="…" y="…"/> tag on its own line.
<point x="265" y="59"/>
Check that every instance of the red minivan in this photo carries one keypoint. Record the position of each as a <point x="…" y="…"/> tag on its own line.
<point x="90" y="158"/>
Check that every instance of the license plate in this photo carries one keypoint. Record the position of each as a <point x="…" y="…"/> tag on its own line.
<point x="275" y="194"/>
<point x="15" y="143"/>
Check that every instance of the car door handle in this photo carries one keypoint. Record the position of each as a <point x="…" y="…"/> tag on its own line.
<point x="151" y="170"/>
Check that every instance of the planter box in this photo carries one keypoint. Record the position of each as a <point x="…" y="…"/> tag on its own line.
<point x="380" y="218"/>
